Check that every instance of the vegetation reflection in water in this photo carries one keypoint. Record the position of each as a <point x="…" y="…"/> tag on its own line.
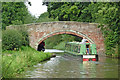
<point x="63" y="66"/>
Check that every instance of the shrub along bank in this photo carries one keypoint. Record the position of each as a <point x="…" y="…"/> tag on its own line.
<point x="16" y="62"/>
<point x="14" y="39"/>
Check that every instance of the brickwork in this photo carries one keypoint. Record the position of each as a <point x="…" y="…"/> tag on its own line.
<point x="38" y="32"/>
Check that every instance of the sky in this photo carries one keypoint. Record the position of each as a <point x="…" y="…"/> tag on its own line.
<point x="36" y="7"/>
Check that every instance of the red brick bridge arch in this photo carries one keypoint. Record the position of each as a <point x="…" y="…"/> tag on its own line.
<point x="71" y="32"/>
<point x="41" y="31"/>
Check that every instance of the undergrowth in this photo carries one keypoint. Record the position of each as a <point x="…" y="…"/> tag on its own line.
<point x="15" y="62"/>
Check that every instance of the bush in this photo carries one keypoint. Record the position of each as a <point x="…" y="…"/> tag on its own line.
<point x="25" y="38"/>
<point x="11" y="39"/>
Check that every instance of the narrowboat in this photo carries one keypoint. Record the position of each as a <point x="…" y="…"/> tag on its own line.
<point x="86" y="51"/>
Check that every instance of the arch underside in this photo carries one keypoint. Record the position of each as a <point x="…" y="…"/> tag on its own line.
<point x="76" y="33"/>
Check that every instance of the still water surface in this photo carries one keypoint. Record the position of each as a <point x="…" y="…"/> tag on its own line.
<point x="67" y="66"/>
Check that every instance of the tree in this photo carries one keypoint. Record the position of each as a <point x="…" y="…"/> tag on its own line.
<point x="44" y="18"/>
<point x="14" y="13"/>
<point x="68" y="11"/>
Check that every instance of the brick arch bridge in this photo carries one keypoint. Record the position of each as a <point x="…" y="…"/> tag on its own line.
<point x="38" y="32"/>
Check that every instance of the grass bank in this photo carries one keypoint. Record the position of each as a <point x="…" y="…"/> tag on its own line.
<point x="60" y="46"/>
<point x="16" y="62"/>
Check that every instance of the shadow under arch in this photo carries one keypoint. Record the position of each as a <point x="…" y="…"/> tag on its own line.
<point x="76" y="33"/>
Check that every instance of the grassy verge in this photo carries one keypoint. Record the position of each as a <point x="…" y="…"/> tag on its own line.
<point x="15" y="62"/>
<point x="60" y="46"/>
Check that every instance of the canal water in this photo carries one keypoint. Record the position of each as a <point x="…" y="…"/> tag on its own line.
<point x="67" y="66"/>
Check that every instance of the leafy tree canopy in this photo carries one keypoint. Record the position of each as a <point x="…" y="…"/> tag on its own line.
<point x="69" y="11"/>
<point x="15" y="13"/>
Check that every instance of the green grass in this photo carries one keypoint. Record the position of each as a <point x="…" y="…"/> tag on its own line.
<point x="16" y="62"/>
<point x="60" y="46"/>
